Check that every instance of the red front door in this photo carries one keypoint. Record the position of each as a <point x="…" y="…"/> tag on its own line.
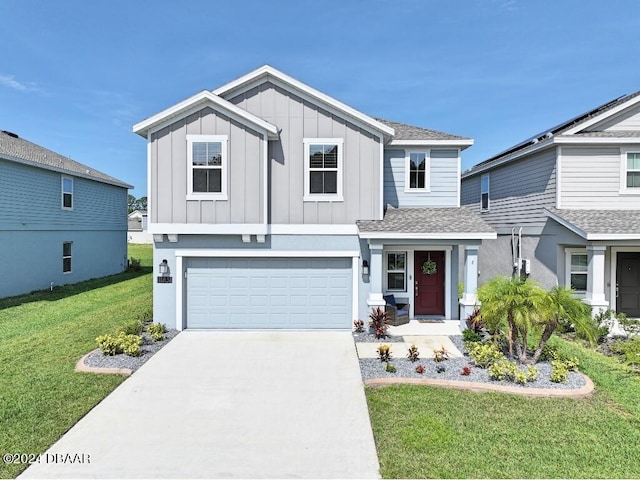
<point x="429" y="283"/>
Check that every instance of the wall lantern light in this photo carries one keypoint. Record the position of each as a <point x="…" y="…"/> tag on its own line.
<point x="365" y="267"/>
<point x="163" y="268"/>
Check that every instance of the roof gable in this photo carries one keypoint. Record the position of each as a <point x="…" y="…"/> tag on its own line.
<point x="267" y="73"/>
<point x="197" y="102"/>
<point x="19" y="150"/>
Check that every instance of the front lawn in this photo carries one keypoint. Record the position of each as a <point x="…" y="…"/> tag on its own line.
<point x="42" y="336"/>
<point x="425" y="432"/>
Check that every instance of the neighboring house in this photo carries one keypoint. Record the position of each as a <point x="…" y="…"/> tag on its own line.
<point x="568" y="201"/>
<point x="60" y="221"/>
<point x="267" y="204"/>
<point x="137" y="230"/>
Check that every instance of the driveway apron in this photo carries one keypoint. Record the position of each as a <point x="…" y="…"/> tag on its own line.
<point x="244" y="404"/>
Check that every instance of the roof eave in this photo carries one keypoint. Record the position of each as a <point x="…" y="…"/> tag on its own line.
<point x="461" y="143"/>
<point x="429" y="236"/>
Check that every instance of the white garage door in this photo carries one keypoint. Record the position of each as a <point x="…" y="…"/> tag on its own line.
<point x="292" y="293"/>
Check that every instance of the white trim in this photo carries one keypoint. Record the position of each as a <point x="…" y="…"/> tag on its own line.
<point x="565" y="223"/>
<point x="197" y="102"/>
<point x="591" y="236"/>
<point x="323" y="197"/>
<point x="355" y="297"/>
<point x="62" y="192"/>
<point x="430" y="236"/>
<point x="624" y="189"/>
<point x="70" y="257"/>
<point x="459" y="180"/>
<point x="427" y="170"/>
<point x="150" y="188"/>
<point x="613" y="300"/>
<point x="558" y="177"/>
<point x="180" y="294"/>
<point x="381" y="186"/>
<point x="385" y="270"/>
<point x="603" y="116"/>
<point x="268" y="73"/>
<point x="263" y="253"/>
<point x="265" y="182"/>
<point x="486" y="175"/>
<point x="568" y="252"/>
<point x="224" y="167"/>
<point x="562" y="139"/>
<point x="310" y="229"/>
<point x="460" y="144"/>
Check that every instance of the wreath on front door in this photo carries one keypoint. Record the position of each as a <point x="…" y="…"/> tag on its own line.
<point x="429" y="267"/>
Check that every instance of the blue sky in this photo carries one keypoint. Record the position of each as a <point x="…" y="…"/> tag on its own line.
<point x="76" y="75"/>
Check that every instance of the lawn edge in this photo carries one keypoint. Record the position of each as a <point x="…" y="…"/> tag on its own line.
<point x="581" y="392"/>
<point x="82" y="367"/>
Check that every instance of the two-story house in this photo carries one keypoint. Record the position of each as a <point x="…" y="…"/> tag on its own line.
<point x="60" y="221"/>
<point x="273" y="205"/>
<point x="566" y="206"/>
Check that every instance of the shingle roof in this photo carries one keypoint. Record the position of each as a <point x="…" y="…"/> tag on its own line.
<point x="448" y="222"/>
<point x="409" y="132"/>
<point x="21" y="150"/>
<point x="601" y="222"/>
<point x="610" y="134"/>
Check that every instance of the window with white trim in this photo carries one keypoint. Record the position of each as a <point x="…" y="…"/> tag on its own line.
<point x="207" y="158"/>
<point x="417" y="171"/>
<point x="577" y="269"/>
<point x="66" y="257"/>
<point x="633" y="170"/>
<point x="484" y="192"/>
<point x="323" y="168"/>
<point x="67" y="193"/>
<point x="397" y="271"/>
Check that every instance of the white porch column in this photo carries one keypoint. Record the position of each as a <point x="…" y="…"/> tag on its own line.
<point x="595" y="278"/>
<point x="375" y="277"/>
<point x="469" y="298"/>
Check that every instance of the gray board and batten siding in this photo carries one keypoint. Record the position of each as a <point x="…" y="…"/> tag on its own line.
<point x="298" y="119"/>
<point x="519" y="192"/>
<point x="443" y="179"/>
<point x="169" y="171"/>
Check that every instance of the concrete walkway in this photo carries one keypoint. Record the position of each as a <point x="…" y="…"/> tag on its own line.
<point x="229" y="405"/>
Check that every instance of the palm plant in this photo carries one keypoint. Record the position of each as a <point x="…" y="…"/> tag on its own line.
<point x="563" y="305"/>
<point x="515" y="303"/>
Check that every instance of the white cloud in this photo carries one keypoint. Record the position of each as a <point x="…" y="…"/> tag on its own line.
<point x="10" y="81"/>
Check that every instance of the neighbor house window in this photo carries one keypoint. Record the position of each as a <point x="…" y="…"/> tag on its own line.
<point x="67" y="193"/>
<point x="323" y="169"/>
<point x="396" y="271"/>
<point x="633" y="169"/>
<point x="66" y="257"/>
<point x="417" y="171"/>
<point x="577" y="270"/>
<point x="484" y="192"/>
<point x="207" y="158"/>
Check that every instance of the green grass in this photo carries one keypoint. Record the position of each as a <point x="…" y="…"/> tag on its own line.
<point x="42" y="336"/>
<point x="425" y="432"/>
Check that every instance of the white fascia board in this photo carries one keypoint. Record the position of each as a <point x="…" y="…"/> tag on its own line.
<point x="201" y="99"/>
<point x="566" y="224"/>
<point x="509" y="158"/>
<point x="283" y="80"/>
<point x="596" y="140"/>
<point x="318" y="229"/>
<point x="461" y="144"/>
<point x="208" y="229"/>
<point x="613" y="236"/>
<point x="603" y="116"/>
<point x="430" y="236"/>
<point x="264" y="253"/>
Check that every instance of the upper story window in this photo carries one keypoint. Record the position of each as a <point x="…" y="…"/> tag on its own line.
<point x="208" y="164"/>
<point x="633" y="169"/>
<point x="396" y="271"/>
<point x="323" y="167"/>
<point x="417" y="171"/>
<point x="484" y="192"/>
<point x="67" y="193"/>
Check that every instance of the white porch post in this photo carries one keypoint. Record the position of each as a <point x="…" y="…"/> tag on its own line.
<point x="375" y="277"/>
<point x="595" y="278"/>
<point x="469" y="298"/>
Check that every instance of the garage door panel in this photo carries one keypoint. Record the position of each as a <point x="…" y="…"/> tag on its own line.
<point x="269" y="293"/>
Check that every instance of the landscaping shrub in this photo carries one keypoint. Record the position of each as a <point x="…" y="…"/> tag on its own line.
<point x="390" y="368"/>
<point x="120" y="343"/>
<point x="379" y="322"/>
<point x="358" y="326"/>
<point x="559" y="371"/>
<point x="509" y="371"/>
<point x="413" y="354"/>
<point x="134" y="264"/>
<point x="466" y="371"/>
<point x="440" y="369"/>
<point x="132" y="328"/>
<point x="130" y="344"/>
<point x="440" y="355"/>
<point x="420" y="369"/>
<point x="469" y="335"/>
<point x="108" y="344"/>
<point x="484" y="354"/>
<point x="156" y="331"/>
<point x="384" y="353"/>
<point x="629" y="350"/>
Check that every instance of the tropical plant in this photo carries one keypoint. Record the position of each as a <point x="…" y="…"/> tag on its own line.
<point x="413" y="354"/>
<point x="440" y="354"/>
<point x="379" y="322"/>
<point x="384" y="353"/>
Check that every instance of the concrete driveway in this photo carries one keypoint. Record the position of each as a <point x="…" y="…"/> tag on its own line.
<point x="229" y="405"/>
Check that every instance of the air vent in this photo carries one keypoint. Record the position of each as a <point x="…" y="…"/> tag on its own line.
<point x="11" y="134"/>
